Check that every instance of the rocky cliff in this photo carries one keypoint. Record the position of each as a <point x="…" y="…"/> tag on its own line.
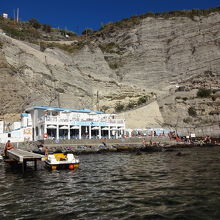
<point x="120" y="70"/>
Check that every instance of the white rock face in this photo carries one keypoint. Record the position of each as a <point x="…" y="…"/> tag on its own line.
<point x="160" y="51"/>
<point x="146" y="116"/>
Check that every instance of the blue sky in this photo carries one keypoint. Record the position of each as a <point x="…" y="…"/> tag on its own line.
<point x="76" y="15"/>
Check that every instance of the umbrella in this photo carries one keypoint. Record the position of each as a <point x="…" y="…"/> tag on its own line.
<point x="105" y="129"/>
<point x="64" y="127"/>
<point x="95" y="128"/>
<point x="74" y="127"/>
<point x="51" y="126"/>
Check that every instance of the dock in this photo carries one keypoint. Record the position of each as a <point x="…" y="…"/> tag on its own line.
<point x="22" y="157"/>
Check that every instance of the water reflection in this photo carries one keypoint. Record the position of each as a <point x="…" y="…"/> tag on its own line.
<point x="118" y="186"/>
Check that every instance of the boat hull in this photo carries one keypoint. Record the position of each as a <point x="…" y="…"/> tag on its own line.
<point x="61" y="166"/>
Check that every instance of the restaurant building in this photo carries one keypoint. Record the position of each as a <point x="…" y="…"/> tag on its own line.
<point x="63" y="123"/>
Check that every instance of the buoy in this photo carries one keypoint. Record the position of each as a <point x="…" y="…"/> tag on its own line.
<point x="71" y="166"/>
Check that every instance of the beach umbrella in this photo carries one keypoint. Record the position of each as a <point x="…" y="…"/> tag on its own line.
<point x="105" y="129"/>
<point x="51" y="126"/>
<point x="64" y="127"/>
<point x="95" y="128"/>
<point x="75" y="127"/>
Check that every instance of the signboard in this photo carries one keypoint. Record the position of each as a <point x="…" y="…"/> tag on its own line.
<point x="193" y="135"/>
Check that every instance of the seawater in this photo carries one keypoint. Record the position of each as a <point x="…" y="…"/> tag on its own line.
<point x="118" y="186"/>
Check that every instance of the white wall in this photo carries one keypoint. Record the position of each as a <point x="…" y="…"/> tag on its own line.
<point x="16" y="125"/>
<point x="1" y="127"/>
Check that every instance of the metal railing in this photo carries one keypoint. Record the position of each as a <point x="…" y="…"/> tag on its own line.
<point x="57" y="119"/>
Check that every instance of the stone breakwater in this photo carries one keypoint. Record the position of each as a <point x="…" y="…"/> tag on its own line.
<point x="153" y="144"/>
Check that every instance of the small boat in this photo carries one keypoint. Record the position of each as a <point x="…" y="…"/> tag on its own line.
<point x="62" y="161"/>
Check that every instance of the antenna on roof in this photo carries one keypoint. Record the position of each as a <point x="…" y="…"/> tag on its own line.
<point x="17" y="15"/>
<point x="14" y="15"/>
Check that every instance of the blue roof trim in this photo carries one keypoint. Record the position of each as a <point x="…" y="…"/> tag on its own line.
<point x="66" y="109"/>
<point x="24" y="114"/>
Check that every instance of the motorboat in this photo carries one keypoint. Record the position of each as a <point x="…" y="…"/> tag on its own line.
<point x="62" y="161"/>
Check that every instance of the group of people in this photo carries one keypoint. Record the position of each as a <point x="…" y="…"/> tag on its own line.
<point x="40" y="149"/>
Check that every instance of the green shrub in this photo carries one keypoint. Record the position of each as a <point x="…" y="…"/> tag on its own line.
<point x="192" y="111"/>
<point x="213" y="98"/>
<point x="60" y="90"/>
<point x="104" y="108"/>
<point x="150" y="14"/>
<point x="142" y="99"/>
<point x="135" y="20"/>
<point x="203" y="93"/>
<point x="178" y="97"/>
<point x="68" y="48"/>
<point x="12" y="32"/>
<point x="88" y="31"/>
<point x="119" y="107"/>
<point x="46" y="28"/>
<point x="187" y="120"/>
<point x="131" y="105"/>
<point x="34" y="23"/>
<point x="113" y="66"/>
<point x="111" y="47"/>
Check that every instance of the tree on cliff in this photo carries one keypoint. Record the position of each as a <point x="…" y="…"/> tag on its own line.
<point x="34" y="23"/>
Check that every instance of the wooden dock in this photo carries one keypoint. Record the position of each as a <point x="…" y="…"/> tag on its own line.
<point x="22" y="157"/>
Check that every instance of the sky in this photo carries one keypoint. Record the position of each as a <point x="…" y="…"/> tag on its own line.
<point x="77" y="15"/>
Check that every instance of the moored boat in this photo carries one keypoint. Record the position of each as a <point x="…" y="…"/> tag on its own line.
<point x="62" y="161"/>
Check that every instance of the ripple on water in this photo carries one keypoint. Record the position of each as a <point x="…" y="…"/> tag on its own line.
<point x="118" y="186"/>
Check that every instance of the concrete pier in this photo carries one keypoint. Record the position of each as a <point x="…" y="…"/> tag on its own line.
<point x="22" y="157"/>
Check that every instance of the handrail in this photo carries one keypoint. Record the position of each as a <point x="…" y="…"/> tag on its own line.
<point x="67" y="120"/>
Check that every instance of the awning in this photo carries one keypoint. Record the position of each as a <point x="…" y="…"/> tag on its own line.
<point x="51" y="126"/>
<point x="74" y="127"/>
<point x="64" y="127"/>
<point x="95" y="128"/>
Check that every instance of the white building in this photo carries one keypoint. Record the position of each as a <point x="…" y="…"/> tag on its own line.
<point x="4" y="15"/>
<point x="17" y="131"/>
<point x="62" y="123"/>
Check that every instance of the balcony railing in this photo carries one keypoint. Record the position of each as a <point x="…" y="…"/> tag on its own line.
<point x="57" y="119"/>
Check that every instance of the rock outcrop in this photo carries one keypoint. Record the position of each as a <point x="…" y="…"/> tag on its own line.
<point x="119" y="67"/>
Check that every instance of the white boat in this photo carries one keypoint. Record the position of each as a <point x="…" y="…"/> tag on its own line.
<point x="62" y="161"/>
